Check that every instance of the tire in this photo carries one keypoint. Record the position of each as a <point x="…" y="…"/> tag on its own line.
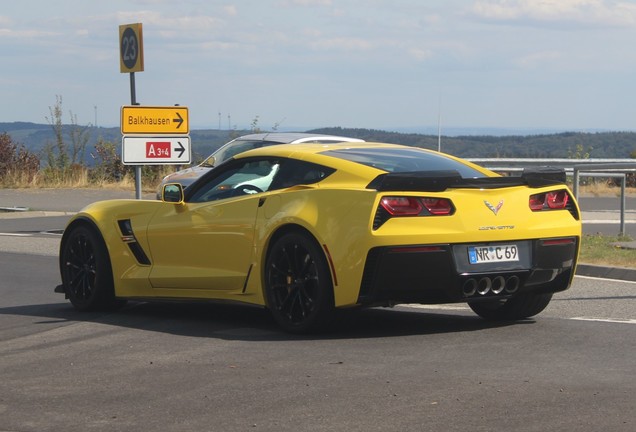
<point x="517" y="308"/>
<point x="298" y="284"/>
<point x="86" y="272"/>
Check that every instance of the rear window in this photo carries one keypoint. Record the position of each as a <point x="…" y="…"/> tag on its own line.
<point x="397" y="160"/>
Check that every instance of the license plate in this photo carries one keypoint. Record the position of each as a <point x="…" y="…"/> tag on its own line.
<point x="488" y="254"/>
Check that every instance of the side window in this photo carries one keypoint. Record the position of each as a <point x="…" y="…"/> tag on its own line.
<point x="295" y="172"/>
<point x="242" y="177"/>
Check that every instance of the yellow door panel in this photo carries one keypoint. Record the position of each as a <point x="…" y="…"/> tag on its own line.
<point x="203" y="245"/>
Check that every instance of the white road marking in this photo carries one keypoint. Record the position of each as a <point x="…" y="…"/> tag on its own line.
<point x="607" y="320"/>
<point x="606" y="222"/>
<point x="31" y="234"/>
<point x="436" y="307"/>
<point x="460" y="307"/>
<point x="605" y="279"/>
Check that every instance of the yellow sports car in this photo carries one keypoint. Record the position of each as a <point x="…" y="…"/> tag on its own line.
<point x="304" y="229"/>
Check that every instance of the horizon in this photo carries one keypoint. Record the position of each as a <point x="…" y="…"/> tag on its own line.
<point x="449" y="131"/>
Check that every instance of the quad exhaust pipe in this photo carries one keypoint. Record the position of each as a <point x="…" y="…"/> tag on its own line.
<point x="486" y="285"/>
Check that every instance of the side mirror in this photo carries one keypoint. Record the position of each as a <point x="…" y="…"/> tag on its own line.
<point x="172" y="192"/>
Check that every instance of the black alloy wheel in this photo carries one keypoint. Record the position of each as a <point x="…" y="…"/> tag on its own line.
<point x="86" y="271"/>
<point x="298" y="284"/>
<point x="516" y="308"/>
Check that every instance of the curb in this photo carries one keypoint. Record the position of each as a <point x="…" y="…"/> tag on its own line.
<point x="34" y="214"/>
<point x="619" y="273"/>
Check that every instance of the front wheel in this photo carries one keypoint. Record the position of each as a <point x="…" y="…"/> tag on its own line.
<point x="86" y="272"/>
<point x="519" y="307"/>
<point x="298" y="284"/>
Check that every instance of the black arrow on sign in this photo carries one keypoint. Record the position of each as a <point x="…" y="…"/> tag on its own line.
<point x="180" y="149"/>
<point x="178" y="120"/>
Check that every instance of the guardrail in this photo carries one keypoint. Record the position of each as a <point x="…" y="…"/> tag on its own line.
<point x="517" y="164"/>
<point x="606" y="168"/>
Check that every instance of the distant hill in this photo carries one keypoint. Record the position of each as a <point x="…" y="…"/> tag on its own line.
<point x="204" y="141"/>
<point x="36" y="136"/>
<point x="558" y="145"/>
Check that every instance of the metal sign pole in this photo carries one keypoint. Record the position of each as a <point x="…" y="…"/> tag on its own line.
<point x="133" y="101"/>
<point x="131" y="59"/>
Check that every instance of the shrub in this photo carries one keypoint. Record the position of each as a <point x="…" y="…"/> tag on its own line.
<point x="17" y="164"/>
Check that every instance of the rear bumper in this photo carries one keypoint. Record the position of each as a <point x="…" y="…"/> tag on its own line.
<point x="442" y="273"/>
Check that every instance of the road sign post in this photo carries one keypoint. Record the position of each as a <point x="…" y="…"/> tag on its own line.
<point x="131" y="60"/>
<point x="152" y="135"/>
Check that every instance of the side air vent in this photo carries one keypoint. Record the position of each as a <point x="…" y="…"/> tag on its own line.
<point x="128" y="237"/>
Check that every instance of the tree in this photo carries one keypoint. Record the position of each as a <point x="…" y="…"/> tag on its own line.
<point x="59" y="156"/>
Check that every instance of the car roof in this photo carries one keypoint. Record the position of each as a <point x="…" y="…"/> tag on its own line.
<point x="311" y="150"/>
<point x="295" y="137"/>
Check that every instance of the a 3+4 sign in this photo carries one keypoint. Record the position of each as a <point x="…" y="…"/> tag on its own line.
<point x="162" y="150"/>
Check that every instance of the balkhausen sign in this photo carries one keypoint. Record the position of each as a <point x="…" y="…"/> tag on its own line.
<point x="136" y="119"/>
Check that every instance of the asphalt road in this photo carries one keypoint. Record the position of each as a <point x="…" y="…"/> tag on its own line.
<point x="196" y="367"/>
<point x="203" y="367"/>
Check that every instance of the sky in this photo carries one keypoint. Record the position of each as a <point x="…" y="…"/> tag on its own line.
<point x="302" y="64"/>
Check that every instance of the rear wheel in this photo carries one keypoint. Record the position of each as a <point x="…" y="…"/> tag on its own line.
<point x="86" y="272"/>
<point x="298" y="284"/>
<point x="516" y="308"/>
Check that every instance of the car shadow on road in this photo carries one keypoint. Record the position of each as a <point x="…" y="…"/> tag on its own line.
<point x="232" y="322"/>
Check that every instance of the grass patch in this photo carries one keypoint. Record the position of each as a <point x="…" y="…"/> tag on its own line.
<point x="602" y="250"/>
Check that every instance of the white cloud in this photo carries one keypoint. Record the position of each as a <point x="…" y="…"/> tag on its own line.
<point x="230" y="10"/>
<point x="420" y="54"/>
<point x="538" y="59"/>
<point x="342" y="44"/>
<point x="306" y="3"/>
<point x="588" y="12"/>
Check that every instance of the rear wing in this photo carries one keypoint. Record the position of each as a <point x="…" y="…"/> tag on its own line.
<point x="439" y="181"/>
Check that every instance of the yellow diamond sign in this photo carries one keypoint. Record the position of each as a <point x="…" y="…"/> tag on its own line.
<point x="137" y="119"/>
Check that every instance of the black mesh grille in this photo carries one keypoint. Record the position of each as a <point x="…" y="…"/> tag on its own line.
<point x="381" y="216"/>
<point x="572" y="208"/>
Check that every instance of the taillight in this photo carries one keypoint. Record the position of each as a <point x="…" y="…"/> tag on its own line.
<point x="415" y="206"/>
<point x="402" y="206"/>
<point x="555" y="200"/>
<point x="398" y="206"/>
<point x="438" y="206"/>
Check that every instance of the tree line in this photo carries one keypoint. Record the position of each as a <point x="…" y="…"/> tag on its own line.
<point x="573" y="145"/>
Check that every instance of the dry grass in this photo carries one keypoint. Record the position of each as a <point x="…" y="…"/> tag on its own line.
<point x="603" y="250"/>
<point x="604" y="190"/>
<point x="76" y="179"/>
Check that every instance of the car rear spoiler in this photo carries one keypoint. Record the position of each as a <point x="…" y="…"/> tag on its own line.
<point x="439" y="181"/>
